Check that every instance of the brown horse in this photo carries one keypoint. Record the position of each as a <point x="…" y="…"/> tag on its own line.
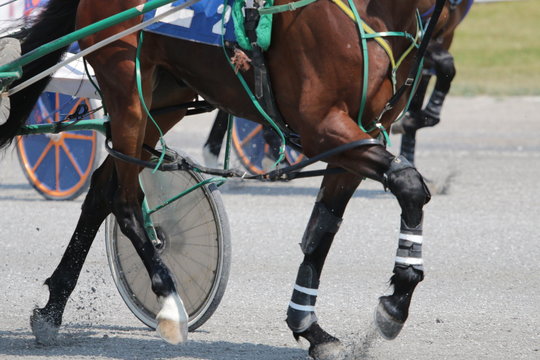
<point x="316" y="68"/>
<point x="438" y="62"/>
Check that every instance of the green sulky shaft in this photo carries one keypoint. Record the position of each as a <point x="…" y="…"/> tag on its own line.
<point x="81" y="33"/>
<point x="54" y="128"/>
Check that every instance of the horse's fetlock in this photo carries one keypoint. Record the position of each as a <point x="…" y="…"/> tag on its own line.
<point x="405" y="279"/>
<point x="301" y="311"/>
<point x="61" y="283"/>
<point x="162" y="282"/>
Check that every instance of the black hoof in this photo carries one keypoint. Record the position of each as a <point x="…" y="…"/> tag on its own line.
<point x="388" y="326"/>
<point x="323" y="346"/>
<point x="44" y="327"/>
<point x="328" y="351"/>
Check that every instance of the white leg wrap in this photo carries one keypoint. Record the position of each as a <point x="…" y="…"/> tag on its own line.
<point x="409" y="252"/>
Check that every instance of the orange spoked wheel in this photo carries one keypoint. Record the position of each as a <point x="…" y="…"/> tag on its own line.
<point x="58" y="166"/>
<point x="252" y="149"/>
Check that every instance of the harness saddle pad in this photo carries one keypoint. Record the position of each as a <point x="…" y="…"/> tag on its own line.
<point x="200" y="22"/>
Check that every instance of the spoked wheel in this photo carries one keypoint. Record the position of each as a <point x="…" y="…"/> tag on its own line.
<point x="251" y="148"/>
<point x="58" y="166"/>
<point x="193" y="241"/>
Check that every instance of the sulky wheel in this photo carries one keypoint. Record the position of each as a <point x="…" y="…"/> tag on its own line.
<point x="193" y="241"/>
<point x="252" y="149"/>
<point x="58" y="166"/>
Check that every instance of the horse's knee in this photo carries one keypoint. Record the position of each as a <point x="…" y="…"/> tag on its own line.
<point x="406" y="183"/>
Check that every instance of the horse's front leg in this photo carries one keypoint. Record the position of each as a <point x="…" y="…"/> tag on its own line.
<point x="46" y="321"/>
<point x="409" y="188"/>
<point x="335" y="192"/>
<point x="403" y="180"/>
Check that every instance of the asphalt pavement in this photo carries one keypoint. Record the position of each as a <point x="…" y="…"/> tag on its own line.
<point x="479" y="299"/>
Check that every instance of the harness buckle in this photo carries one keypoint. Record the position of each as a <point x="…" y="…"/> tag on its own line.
<point x="292" y="6"/>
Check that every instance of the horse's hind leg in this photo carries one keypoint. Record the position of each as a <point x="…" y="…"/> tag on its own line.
<point x="46" y="321"/>
<point x="128" y="126"/>
<point x="335" y="192"/>
<point x="212" y="146"/>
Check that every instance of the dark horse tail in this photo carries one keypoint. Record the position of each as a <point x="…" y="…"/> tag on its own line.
<point x="56" y="20"/>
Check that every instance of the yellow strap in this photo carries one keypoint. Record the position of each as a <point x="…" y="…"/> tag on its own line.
<point x="382" y="42"/>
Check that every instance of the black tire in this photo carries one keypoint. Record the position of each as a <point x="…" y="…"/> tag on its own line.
<point x="201" y="280"/>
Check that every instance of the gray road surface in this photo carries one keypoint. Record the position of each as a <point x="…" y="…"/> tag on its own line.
<point x="479" y="300"/>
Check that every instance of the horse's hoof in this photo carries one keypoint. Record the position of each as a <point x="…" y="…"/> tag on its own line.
<point x="333" y="350"/>
<point x="171" y="331"/>
<point x="388" y="326"/>
<point x="172" y="320"/>
<point x="44" y="328"/>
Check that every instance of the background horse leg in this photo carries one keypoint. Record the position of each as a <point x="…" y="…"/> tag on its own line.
<point x="213" y="144"/>
<point x="45" y="322"/>
<point x="445" y="69"/>
<point x="335" y="192"/>
<point x="408" y="125"/>
<point x="442" y="63"/>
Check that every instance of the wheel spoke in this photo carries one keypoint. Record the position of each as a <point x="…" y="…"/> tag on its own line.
<point x="251" y="135"/>
<point x="42" y="156"/>
<point x="72" y="159"/>
<point x="57" y="164"/>
<point x="57" y="106"/>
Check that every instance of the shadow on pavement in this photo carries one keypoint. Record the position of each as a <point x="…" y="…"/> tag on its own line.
<point x="134" y="343"/>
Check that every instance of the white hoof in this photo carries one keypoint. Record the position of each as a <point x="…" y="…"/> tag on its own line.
<point x="172" y="320"/>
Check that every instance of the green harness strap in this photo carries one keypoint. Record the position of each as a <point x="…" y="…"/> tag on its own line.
<point x="138" y="79"/>
<point x="365" y="33"/>
<point x="286" y="7"/>
<point x="252" y="97"/>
